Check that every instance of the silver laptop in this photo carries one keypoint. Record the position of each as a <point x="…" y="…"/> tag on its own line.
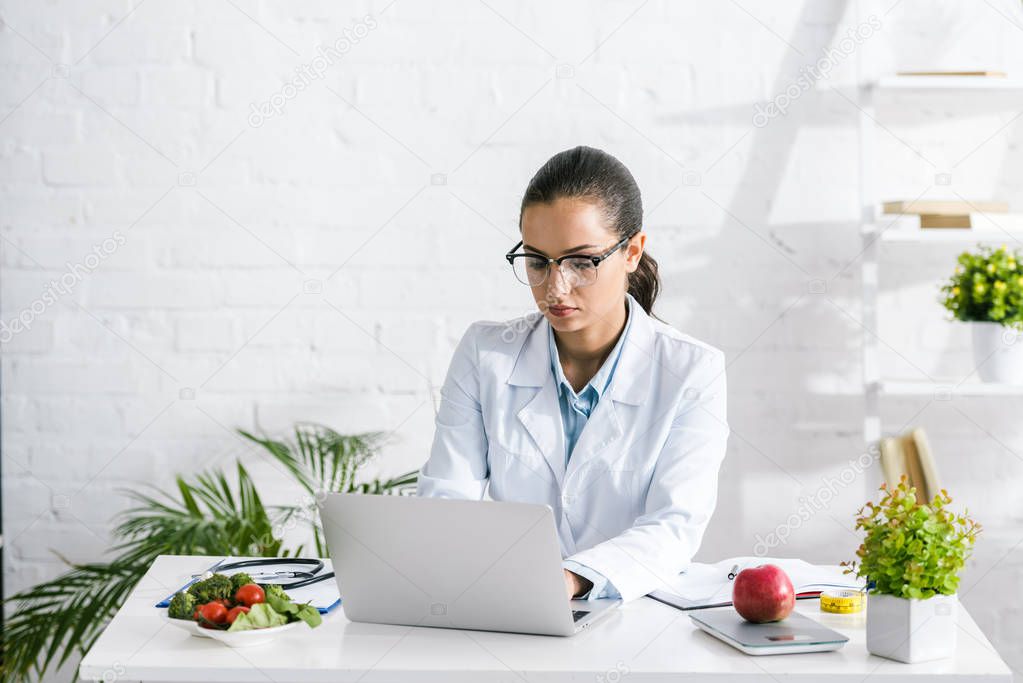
<point x="482" y="565"/>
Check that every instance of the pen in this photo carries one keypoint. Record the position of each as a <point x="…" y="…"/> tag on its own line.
<point x="735" y="572"/>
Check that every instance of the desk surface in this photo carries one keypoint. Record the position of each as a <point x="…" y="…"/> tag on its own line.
<point x="644" y="640"/>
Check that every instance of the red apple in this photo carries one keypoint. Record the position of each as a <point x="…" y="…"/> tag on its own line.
<point x="763" y="593"/>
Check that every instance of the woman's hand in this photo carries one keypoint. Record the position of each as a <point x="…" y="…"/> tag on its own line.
<point x="575" y="584"/>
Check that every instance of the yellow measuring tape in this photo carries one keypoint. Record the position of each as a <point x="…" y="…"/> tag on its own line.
<point x="841" y="601"/>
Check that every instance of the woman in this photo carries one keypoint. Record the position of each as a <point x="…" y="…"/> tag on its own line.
<point x="594" y="407"/>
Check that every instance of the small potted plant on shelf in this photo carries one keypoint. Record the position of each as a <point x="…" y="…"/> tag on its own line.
<point x="986" y="291"/>
<point x="912" y="555"/>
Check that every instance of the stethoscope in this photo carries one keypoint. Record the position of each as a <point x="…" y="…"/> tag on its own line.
<point x="302" y="577"/>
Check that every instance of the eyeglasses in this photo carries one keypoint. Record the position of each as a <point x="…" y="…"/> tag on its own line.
<point x="578" y="271"/>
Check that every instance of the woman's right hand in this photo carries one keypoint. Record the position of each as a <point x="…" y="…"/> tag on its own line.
<point x="575" y="584"/>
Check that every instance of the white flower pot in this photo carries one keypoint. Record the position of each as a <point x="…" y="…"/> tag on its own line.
<point x="997" y="352"/>
<point x="911" y="630"/>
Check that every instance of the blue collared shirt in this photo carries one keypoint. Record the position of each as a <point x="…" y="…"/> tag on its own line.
<point x="575" y="411"/>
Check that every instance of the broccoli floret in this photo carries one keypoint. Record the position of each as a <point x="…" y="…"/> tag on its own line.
<point x="182" y="605"/>
<point x="238" y="580"/>
<point x="217" y="587"/>
<point x="275" y="590"/>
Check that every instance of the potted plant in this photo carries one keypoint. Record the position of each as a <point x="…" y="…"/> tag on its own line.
<point x="986" y="291"/>
<point x="912" y="555"/>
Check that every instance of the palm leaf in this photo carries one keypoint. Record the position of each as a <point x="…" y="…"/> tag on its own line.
<point x="68" y="612"/>
<point x="64" y="616"/>
<point x="324" y="461"/>
<point x="210" y="519"/>
<point x="205" y="515"/>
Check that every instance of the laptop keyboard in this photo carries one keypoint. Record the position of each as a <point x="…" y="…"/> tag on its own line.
<point x="578" y="614"/>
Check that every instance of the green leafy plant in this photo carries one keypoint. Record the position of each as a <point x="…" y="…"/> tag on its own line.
<point x="209" y="513"/>
<point x="913" y="550"/>
<point x="987" y="286"/>
<point x="323" y="461"/>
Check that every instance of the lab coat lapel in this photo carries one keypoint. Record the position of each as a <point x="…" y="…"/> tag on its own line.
<point x="630" y="385"/>
<point x="601" y="430"/>
<point x="542" y="419"/>
<point x="541" y="414"/>
<point x="632" y="378"/>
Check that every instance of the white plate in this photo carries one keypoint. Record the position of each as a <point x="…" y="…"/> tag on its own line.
<point x="256" y="636"/>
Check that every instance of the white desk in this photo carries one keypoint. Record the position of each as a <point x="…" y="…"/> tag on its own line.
<point x="643" y="641"/>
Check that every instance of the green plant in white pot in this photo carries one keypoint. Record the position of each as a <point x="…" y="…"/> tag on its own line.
<point x="986" y="291"/>
<point x="912" y="554"/>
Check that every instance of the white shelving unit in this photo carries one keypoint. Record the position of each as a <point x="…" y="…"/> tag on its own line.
<point x="902" y="232"/>
<point x="949" y="235"/>
<point x="877" y="232"/>
<point x="946" y="84"/>
<point x="947" y="389"/>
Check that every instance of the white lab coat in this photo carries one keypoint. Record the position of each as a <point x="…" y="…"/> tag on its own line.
<point x="641" y="483"/>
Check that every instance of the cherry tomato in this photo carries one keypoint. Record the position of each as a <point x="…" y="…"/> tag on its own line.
<point x="249" y="595"/>
<point x="233" y="613"/>
<point x="213" y="612"/>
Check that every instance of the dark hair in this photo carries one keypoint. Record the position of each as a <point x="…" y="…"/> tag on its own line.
<point x="588" y="173"/>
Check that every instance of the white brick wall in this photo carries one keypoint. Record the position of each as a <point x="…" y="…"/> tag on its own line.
<point x="135" y="119"/>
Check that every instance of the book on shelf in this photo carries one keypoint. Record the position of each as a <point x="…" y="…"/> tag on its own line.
<point x="910" y="454"/>
<point x="994" y="223"/>
<point x="941" y="221"/>
<point x="944" y="207"/>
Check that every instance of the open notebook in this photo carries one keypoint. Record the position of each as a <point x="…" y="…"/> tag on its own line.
<point x="707" y="585"/>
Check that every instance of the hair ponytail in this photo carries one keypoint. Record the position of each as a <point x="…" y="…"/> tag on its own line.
<point x="644" y="282"/>
<point x="589" y="173"/>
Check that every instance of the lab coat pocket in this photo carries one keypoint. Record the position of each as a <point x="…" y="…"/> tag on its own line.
<point x="518" y="472"/>
<point x="617" y="485"/>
